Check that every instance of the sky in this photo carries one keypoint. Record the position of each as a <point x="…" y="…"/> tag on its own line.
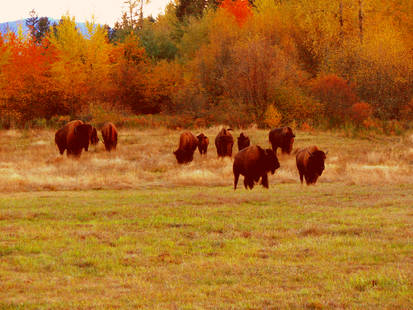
<point x="104" y="11"/>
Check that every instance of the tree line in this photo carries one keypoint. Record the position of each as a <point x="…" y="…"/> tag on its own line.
<point x="301" y="62"/>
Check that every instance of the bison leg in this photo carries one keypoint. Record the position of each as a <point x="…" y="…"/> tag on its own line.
<point x="301" y="177"/>
<point x="314" y="179"/>
<point x="246" y="182"/>
<point x="264" y="180"/>
<point x="61" y="150"/>
<point x="307" y="179"/>
<point x="251" y="184"/>
<point x="236" y="177"/>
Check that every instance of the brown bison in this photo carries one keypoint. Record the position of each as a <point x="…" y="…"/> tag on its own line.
<point x="254" y="163"/>
<point x="224" y="143"/>
<point x="94" y="137"/>
<point x="310" y="164"/>
<point x="73" y="137"/>
<point x="243" y="141"/>
<point x="187" y="146"/>
<point x="283" y="138"/>
<point x="203" y="143"/>
<point x="110" y="136"/>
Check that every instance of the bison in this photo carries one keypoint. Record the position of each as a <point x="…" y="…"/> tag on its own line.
<point x="254" y="163"/>
<point x="94" y="137"/>
<point x="74" y="137"/>
<point x="310" y="164"/>
<point x="283" y="138"/>
<point x="203" y="143"/>
<point x="224" y="142"/>
<point x="187" y="146"/>
<point x="243" y="141"/>
<point x="110" y="136"/>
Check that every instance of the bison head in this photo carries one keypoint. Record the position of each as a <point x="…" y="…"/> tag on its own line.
<point x="316" y="162"/>
<point x="94" y="138"/>
<point x="271" y="161"/>
<point x="287" y="140"/>
<point x="202" y="138"/>
<point x="83" y="133"/>
<point x="182" y="157"/>
<point x="243" y="141"/>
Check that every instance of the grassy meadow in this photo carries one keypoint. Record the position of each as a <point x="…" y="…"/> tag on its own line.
<point x="133" y="229"/>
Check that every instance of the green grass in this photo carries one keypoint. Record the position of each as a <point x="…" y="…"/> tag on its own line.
<point x="329" y="246"/>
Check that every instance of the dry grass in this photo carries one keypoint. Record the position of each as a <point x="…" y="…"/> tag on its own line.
<point x="185" y="240"/>
<point x="29" y="161"/>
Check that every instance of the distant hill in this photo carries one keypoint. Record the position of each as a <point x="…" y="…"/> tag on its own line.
<point x="14" y="26"/>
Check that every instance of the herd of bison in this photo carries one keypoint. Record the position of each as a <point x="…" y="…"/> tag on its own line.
<point x="252" y="161"/>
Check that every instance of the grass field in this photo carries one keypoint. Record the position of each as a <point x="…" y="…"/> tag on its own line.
<point x="135" y="230"/>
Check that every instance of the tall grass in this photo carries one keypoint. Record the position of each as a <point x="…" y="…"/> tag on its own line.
<point x="29" y="160"/>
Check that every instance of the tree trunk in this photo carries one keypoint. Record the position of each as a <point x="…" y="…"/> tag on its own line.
<point x="340" y="18"/>
<point x="361" y="20"/>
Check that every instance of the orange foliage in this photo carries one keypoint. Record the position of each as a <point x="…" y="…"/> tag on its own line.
<point x="240" y="9"/>
<point x="360" y="112"/>
<point x="306" y="127"/>
<point x="130" y="67"/>
<point x="337" y="96"/>
<point x="32" y="93"/>
<point x="407" y="111"/>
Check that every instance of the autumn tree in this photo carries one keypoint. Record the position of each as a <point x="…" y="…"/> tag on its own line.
<point x="194" y="8"/>
<point x="69" y="71"/>
<point x="38" y="27"/>
<point x="97" y="66"/>
<point x="336" y="95"/>
<point x="240" y="9"/>
<point x="32" y="93"/>
<point x="129" y="75"/>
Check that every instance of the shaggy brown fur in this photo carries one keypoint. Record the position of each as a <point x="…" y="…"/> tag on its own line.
<point x="203" y="143"/>
<point x="243" y="141"/>
<point x="224" y="143"/>
<point x="110" y="136"/>
<point x="187" y="146"/>
<point x="94" y="139"/>
<point x="282" y="138"/>
<point x="73" y="137"/>
<point x="254" y="163"/>
<point x="310" y="164"/>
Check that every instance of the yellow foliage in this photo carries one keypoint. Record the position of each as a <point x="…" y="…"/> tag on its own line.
<point x="272" y="116"/>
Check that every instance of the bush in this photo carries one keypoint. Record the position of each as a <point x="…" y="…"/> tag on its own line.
<point x="336" y="95"/>
<point x="272" y="116"/>
<point x="360" y="111"/>
<point x="407" y="111"/>
<point x="296" y="106"/>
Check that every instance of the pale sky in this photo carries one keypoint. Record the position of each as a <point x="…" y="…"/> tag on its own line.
<point x="105" y="11"/>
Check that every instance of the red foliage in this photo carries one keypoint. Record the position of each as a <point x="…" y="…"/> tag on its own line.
<point x="360" y="112"/>
<point x="239" y="8"/>
<point x="336" y="94"/>
<point x="306" y="127"/>
<point x="32" y="93"/>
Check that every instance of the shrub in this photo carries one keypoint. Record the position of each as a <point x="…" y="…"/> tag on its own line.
<point x="272" y="116"/>
<point x="295" y="105"/>
<point x="407" y="111"/>
<point x="306" y="127"/>
<point x="360" y="111"/>
<point x="337" y="96"/>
